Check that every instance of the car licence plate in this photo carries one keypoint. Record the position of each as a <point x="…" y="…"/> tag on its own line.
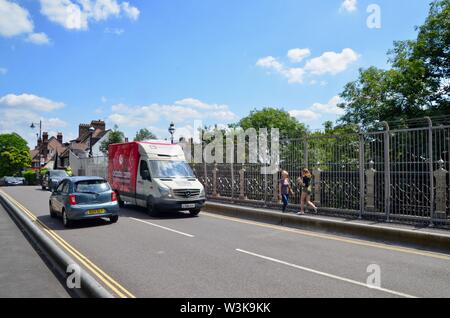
<point x="94" y="212"/>
<point x="188" y="206"/>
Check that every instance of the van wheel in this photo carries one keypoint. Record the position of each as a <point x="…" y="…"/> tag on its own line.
<point x="52" y="212"/>
<point x="119" y="201"/>
<point x="151" y="209"/>
<point x="66" y="222"/>
<point x="194" y="212"/>
<point x="114" y="218"/>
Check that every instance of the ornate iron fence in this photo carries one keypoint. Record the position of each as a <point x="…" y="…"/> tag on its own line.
<point x="399" y="174"/>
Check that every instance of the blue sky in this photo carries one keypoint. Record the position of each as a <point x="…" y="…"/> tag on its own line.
<point x="143" y="63"/>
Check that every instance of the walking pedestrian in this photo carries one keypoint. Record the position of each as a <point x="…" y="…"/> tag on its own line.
<point x="285" y="189"/>
<point x="305" y="183"/>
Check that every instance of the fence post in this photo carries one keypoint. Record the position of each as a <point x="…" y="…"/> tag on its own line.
<point x="215" y="194"/>
<point x="232" y="180"/>
<point x="362" y="186"/>
<point x="242" y="184"/>
<point x="441" y="191"/>
<point x="317" y="173"/>
<point x="275" y="187"/>
<point x="205" y="174"/>
<point x="305" y="152"/>
<point x="431" y="168"/>
<point x="387" y="172"/>
<point x="370" y="194"/>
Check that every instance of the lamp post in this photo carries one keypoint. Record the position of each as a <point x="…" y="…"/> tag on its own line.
<point x="91" y="132"/>
<point x="171" y="131"/>
<point x="33" y="125"/>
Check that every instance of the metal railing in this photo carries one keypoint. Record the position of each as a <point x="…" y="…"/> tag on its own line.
<point x="396" y="174"/>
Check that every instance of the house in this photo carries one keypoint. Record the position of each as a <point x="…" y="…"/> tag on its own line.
<point x="47" y="151"/>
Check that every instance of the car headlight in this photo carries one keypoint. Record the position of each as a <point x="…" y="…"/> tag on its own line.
<point x="165" y="192"/>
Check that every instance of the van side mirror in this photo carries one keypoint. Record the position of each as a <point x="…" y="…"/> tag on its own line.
<point x="146" y="175"/>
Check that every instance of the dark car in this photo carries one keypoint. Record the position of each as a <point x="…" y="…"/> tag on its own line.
<point x="52" y="178"/>
<point x="11" y="181"/>
<point x="81" y="198"/>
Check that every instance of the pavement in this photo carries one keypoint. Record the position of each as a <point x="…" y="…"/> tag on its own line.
<point x="177" y="255"/>
<point x="23" y="271"/>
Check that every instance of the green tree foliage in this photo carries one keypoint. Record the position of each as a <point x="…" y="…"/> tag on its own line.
<point x="144" y="134"/>
<point x="417" y="85"/>
<point x="114" y="137"/>
<point x="273" y="118"/>
<point x="14" y="154"/>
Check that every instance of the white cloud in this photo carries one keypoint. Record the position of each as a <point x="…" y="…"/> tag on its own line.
<point x="317" y="110"/>
<point x="29" y="101"/>
<point x="65" y="13"/>
<point x="331" y="62"/>
<point x="54" y="123"/>
<point x="181" y="111"/>
<point x="349" y="5"/>
<point x="297" y="55"/>
<point x="76" y="16"/>
<point x="294" y="75"/>
<point x="14" y="20"/>
<point x="330" y="107"/>
<point x="115" y="31"/>
<point x="3" y="71"/>
<point x="130" y="11"/>
<point x="303" y="115"/>
<point x="38" y="38"/>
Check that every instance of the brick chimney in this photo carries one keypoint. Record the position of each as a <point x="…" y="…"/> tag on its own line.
<point x="45" y="137"/>
<point x="59" y="137"/>
<point x="45" y="144"/>
<point x="83" y="129"/>
<point x="98" y="124"/>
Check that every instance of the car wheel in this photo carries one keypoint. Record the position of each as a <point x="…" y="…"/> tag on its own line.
<point x="43" y="188"/>
<point x="66" y="222"/>
<point x="114" y="218"/>
<point x="194" y="212"/>
<point x="152" y="210"/>
<point x="52" y="212"/>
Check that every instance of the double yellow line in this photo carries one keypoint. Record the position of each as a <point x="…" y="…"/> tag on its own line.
<point x="121" y="291"/>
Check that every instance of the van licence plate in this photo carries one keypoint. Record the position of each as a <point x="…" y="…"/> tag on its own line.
<point x="188" y="206"/>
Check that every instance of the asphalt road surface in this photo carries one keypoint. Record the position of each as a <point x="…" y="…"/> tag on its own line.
<point x="213" y="256"/>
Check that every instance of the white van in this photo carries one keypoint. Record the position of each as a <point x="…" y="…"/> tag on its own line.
<point x="154" y="175"/>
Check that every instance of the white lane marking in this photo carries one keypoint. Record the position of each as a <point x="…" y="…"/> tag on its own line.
<point x="351" y="281"/>
<point x="163" y="227"/>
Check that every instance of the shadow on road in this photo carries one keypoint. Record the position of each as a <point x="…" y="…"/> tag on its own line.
<point x="57" y="225"/>
<point x="141" y="213"/>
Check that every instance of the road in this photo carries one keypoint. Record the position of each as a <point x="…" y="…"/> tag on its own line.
<point x="213" y="256"/>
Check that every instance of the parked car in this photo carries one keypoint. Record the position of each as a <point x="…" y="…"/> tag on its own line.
<point x="82" y="198"/>
<point x="154" y="175"/>
<point x="11" y="181"/>
<point x="52" y="178"/>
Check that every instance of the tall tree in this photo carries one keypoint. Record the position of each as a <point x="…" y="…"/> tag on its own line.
<point x="417" y="85"/>
<point x="114" y="137"/>
<point x="144" y="134"/>
<point x="14" y="154"/>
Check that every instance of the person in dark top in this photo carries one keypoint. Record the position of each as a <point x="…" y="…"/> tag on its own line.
<point x="305" y="183"/>
<point x="285" y="189"/>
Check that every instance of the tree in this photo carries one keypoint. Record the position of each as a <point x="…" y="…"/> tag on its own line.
<point x="144" y="134"/>
<point x="114" y="137"/>
<point x="274" y="118"/>
<point x="417" y="85"/>
<point x="14" y="154"/>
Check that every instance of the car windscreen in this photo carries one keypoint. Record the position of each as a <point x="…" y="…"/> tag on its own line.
<point x="170" y="169"/>
<point x="92" y="186"/>
<point x="58" y="173"/>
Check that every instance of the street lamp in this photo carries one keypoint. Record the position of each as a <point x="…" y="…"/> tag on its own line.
<point x="91" y="132"/>
<point x="171" y="131"/>
<point x="33" y="125"/>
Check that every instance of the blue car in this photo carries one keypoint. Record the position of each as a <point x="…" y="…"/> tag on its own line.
<point x="83" y="198"/>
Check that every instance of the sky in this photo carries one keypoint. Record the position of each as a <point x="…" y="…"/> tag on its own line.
<point x="144" y="63"/>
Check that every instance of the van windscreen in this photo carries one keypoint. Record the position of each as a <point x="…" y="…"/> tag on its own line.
<point x="170" y="169"/>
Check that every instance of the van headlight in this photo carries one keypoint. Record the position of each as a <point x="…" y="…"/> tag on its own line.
<point x="165" y="192"/>
<point x="202" y="193"/>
